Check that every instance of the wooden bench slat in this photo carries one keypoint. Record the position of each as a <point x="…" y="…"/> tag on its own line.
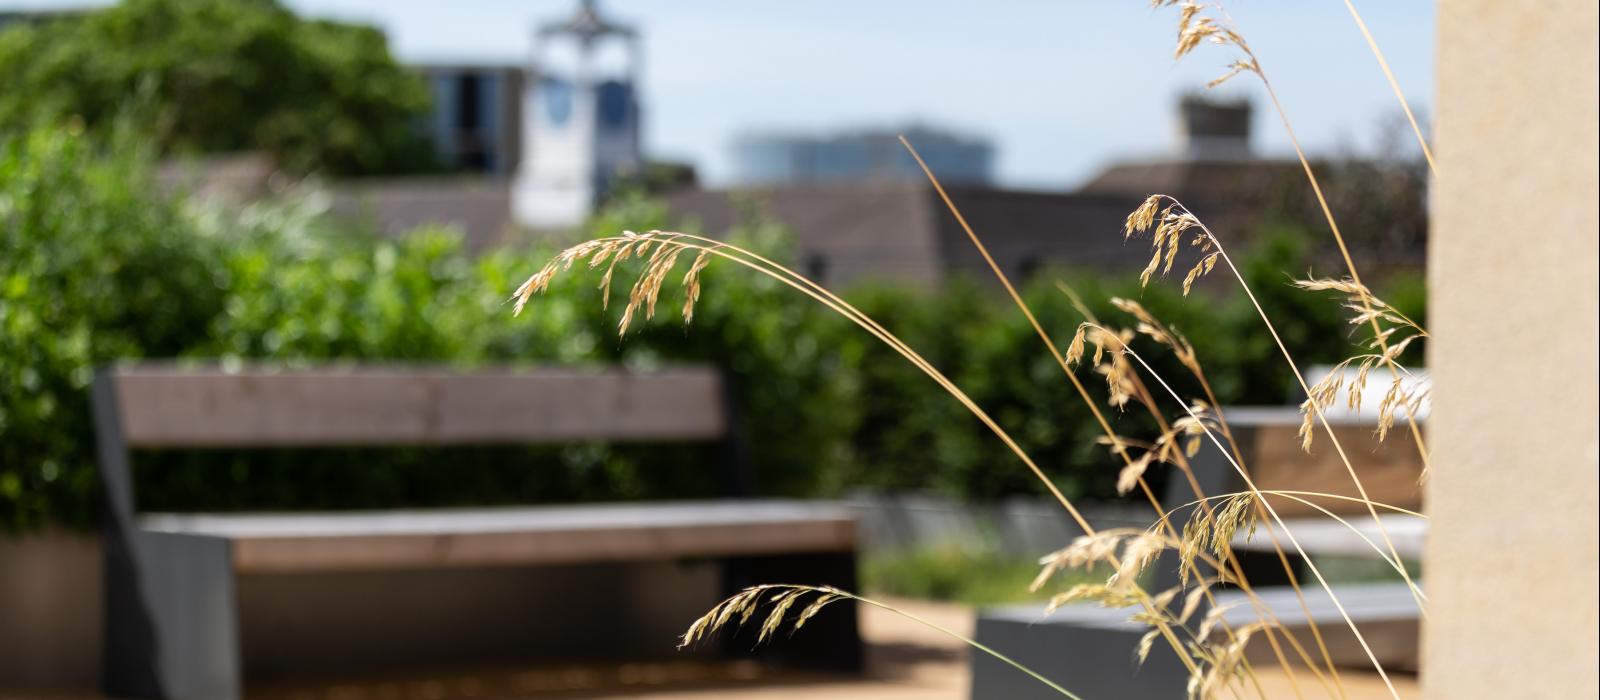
<point x="517" y="536"/>
<point x="199" y="407"/>
<point x="1390" y="471"/>
<point x="1327" y="537"/>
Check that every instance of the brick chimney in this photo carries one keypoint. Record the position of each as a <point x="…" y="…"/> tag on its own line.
<point x="1214" y="129"/>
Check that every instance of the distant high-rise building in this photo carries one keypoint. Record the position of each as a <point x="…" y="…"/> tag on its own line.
<point x="861" y="156"/>
<point x="580" y="119"/>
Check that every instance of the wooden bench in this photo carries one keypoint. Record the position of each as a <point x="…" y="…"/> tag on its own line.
<point x="1268" y="436"/>
<point x="1390" y="471"/>
<point x="176" y="583"/>
<point x="1089" y="649"/>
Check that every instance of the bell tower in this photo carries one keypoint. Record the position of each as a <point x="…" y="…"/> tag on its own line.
<point x="580" y="119"/>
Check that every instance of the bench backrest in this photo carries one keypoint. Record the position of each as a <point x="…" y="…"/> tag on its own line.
<point x="1391" y="471"/>
<point x="169" y="406"/>
<point x="173" y="407"/>
<point x="1269" y="441"/>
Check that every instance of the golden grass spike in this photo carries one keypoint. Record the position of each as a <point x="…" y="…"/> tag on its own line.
<point x="1137" y="552"/>
<point x="1082" y="591"/>
<point x="1155" y="263"/>
<point x="1143" y="649"/>
<point x="1129" y="476"/>
<point x="1188" y="280"/>
<point x="1074" y="353"/>
<point x="815" y="607"/>
<point x="1191" y="603"/>
<point x="691" y="284"/>
<point x="1164" y="598"/>
<point x="741" y="603"/>
<point x="1173" y="240"/>
<point x="780" y="605"/>
<point x="1140" y="220"/>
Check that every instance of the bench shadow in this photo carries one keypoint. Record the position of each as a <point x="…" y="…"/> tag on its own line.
<point x="886" y="662"/>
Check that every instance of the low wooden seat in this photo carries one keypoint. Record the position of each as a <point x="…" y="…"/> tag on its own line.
<point x="1089" y="648"/>
<point x="1325" y="536"/>
<point x="399" y="539"/>
<point x="1390" y="471"/>
<point x="173" y="622"/>
<point x="1268" y="437"/>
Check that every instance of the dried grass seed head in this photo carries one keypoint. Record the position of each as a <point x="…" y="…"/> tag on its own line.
<point x="743" y="605"/>
<point x="1171" y="223"/>
<point x="658" y="251"/>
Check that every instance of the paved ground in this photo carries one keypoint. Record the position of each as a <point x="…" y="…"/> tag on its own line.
<point x="906" y="661"/>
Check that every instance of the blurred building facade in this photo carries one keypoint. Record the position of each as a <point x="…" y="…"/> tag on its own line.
<point x="901" y="233"/>
<point x="897" y="229"/>
<point x="475" y="119"/>
<point x="581" y="125"/>
<point x="535" y="152"/>
<point x="861" y="156"/>
<point x="561" y="131"/>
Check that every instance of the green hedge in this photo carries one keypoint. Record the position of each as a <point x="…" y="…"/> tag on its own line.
<point x="92" y="269"/>
<point x="97" y="266"/>
<point x="905" y="438"/>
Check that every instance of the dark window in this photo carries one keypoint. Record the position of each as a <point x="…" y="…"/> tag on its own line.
<point x="616" y="104"/>
<point x="472" y="149"/>
<point x="469" y="114"/>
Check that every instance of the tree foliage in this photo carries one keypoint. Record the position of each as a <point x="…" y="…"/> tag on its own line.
<point x="222" y="75"/>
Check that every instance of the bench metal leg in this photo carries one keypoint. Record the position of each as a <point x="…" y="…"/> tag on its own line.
<point x="129" y="657"/>
<point x="171" y="622"/>
<point x="830" y="641"/>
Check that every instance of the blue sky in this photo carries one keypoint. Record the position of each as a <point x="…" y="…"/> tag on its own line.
<point x="1061" y="86"/>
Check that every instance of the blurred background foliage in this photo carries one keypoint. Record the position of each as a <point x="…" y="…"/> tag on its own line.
<point x="98" y="264"/>
<point x="204" y="76"/>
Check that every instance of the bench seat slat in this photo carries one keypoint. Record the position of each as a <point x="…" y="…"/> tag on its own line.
<point x="1327" y="537"/>
<point x="264" y="543"/>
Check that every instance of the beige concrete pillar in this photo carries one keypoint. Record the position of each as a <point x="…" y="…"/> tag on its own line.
<point x="1511" y="565"/>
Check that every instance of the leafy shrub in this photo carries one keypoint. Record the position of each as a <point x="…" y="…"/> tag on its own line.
<point x="92" y="269"/>
<point x="907" y="435"/>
